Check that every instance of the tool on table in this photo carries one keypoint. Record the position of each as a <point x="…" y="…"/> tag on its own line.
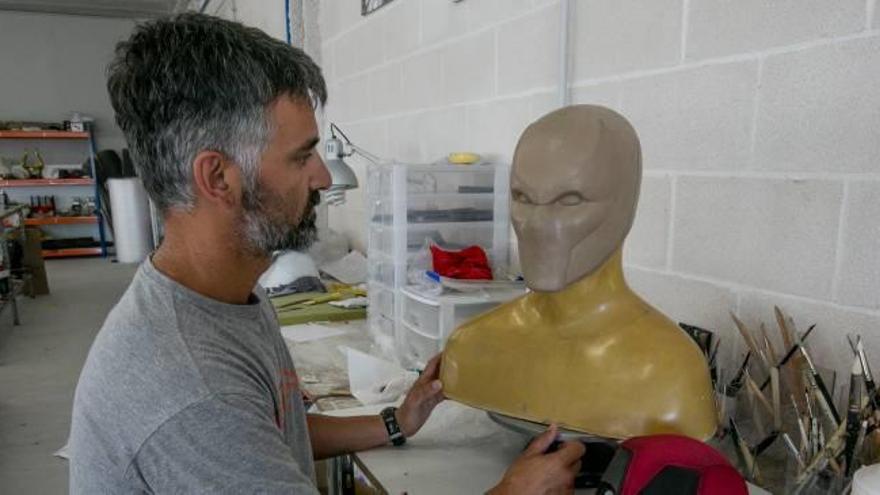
<point x="744" y="452"/>
<point x="765" y="443"/>
<point x="775" y="401"/>
<point x="830" y="451"/>
<point x="750" y="342"/>
<point x="736" y="383"/>
<point x="768" y="345"/>
<point x="853" y="414"/>
<point x="826" y="403"/>
<point x="753" y="399"/>
<point x="805" y="439"/>
<point x="860" y="441"/>
<point x="794" y="450"/>
<point x="813" y="426"/>
<point x="792" y="351"/>
<point x="870" y="386"/>
<point x="795" y="379"/>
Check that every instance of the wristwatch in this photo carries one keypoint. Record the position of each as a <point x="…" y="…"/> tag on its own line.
<point x="394" y="431"/>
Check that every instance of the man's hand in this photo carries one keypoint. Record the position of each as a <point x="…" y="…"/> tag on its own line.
<point x="535" y="472"/>
<point x="421" y="399"/>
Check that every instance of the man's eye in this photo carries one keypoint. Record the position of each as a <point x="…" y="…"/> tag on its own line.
<point x="521" y="197"/>
<point x="303" y="159"/>
<point x="570" y="199"/>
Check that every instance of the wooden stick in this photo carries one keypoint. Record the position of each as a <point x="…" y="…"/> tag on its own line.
<point x="768" y="345"/>
<point x="805" y="440"/>
<point x="756" y="414"/>
<point x="794" y="377"/>
<point x="750" y="341"/>
<point x="753" y="387"/>
<point x="774" y="391"/>
<point x="787" y="336"/>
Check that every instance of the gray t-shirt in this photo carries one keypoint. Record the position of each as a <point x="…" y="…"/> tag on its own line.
<point x="185" y="394"/>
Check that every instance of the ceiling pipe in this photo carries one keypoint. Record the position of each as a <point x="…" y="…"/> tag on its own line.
<point x="564" y="96"/>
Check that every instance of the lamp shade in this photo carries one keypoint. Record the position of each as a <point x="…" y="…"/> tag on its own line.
<point x="341" y="175"/>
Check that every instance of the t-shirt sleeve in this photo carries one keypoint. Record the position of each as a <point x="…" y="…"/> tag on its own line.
<point x="222" y="444"/>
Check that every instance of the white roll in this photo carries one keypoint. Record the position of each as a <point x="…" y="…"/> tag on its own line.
<point x="867" y="481"/>
<point x="130" y="210"/>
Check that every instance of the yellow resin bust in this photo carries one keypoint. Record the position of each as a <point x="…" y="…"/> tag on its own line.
<point x="581" y="350"/>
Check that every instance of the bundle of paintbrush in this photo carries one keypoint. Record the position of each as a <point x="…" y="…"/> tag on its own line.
<point x="825" y="446"/>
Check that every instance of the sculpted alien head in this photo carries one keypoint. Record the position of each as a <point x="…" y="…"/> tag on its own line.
<point x="574" y="189"/>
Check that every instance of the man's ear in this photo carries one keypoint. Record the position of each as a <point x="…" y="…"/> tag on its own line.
<point x="215" y="178"/>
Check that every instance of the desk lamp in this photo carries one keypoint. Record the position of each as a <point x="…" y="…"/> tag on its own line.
<point x="341" y="175"/>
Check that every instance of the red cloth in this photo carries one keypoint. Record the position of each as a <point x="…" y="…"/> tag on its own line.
<point x="653" y="453"/>
<point x="470" y="263"/>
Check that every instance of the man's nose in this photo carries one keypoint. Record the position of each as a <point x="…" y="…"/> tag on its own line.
<point x="321" y="179"/>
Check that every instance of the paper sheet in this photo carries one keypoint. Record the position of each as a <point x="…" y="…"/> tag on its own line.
<point x="351" y="269"/>
<point x="63" y="452"/>
<point x="375" y="381"/>
<point x="307" y="332"/>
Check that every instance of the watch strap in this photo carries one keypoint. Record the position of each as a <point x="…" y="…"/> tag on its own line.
<point x="395" y="434"/>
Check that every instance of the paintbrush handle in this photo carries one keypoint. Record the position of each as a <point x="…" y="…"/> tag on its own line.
<point x="852" y="436"/>
<point x="825" y="401"/>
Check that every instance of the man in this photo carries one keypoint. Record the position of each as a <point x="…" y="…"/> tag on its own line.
<point x="189" y="388"/>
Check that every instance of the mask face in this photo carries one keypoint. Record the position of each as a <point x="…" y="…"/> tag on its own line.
<point x="574" y="189"/>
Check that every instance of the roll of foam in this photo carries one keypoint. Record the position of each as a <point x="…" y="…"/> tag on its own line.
<point x="130" y="209"/>
<point x="867" y="481"/>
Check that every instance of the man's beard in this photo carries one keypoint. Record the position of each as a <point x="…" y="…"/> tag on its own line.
<point x="266" y="229"/>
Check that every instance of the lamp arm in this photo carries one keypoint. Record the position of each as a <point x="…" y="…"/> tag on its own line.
<point x="364" y="153"/>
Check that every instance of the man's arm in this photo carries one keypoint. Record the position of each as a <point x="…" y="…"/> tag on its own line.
<point x="331" y="436"/>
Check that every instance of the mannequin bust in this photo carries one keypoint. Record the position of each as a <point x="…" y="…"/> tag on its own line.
<point x="581" y="350"/>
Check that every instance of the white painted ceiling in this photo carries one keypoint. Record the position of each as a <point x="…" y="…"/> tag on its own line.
<point x="100" y="8"/>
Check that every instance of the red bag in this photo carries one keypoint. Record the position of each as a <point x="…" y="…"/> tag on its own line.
<point x="661" y="464"/>
<point x="469" y="264"/>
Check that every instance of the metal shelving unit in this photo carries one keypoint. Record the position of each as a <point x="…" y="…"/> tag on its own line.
<point x="97" y="219"/>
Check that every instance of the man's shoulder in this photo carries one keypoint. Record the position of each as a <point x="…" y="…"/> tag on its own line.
<point x="137" y="375"/>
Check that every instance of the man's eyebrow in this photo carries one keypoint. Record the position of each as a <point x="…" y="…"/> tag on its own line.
<point x="311" y="143"/>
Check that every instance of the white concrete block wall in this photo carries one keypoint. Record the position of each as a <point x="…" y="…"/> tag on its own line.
<point x="759" y="122"/>
<point x="859" y="262"/>
<point x="820" y="108"/>
<point x="722" y="27"/>
<point x="694" y="119"/>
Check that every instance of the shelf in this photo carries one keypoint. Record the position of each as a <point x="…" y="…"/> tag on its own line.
<point x="71" y="252"/>
<point x="46" y="182"/>
<point x="449" y="196"/>
<point x="412" y="328"/>
<point x="43" y="135"/>
<point x="437" y="225"/>
<point x="446" y="225"/>
<point x="60" y="220"/>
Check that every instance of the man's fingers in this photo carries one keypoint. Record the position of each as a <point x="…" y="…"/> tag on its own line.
<point x="422" y="391"/>
<point x="543" y="441"/>
<point x="570" y="452"/>
<point x="432" y="369"/>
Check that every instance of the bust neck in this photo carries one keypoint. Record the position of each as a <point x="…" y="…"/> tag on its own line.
<point x="595" y="297"/>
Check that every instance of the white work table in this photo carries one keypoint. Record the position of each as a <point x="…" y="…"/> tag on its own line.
<point x="459" y="450"/>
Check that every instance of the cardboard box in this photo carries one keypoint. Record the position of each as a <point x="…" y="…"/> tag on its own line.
<point x="32" y="259"/>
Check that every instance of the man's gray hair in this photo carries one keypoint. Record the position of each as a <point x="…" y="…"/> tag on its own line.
<point x="192" y="82"/>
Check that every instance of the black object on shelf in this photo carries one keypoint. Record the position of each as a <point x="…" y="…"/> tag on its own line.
<point x="73" y="242"/>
